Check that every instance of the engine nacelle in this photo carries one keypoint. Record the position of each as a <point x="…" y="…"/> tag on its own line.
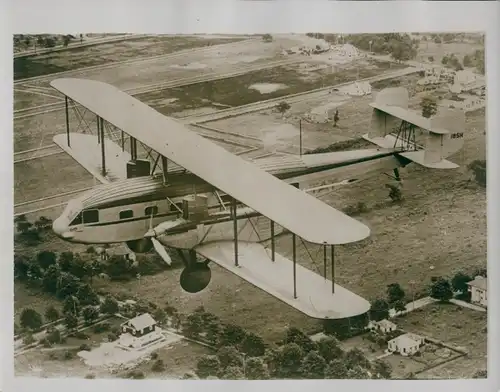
<point x="195" y="278"/>
<point x="142" y="245"/>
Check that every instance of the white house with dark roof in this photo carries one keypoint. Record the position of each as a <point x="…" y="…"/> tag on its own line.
<point x="478" y="289"/>
<point x="139" y="331"/>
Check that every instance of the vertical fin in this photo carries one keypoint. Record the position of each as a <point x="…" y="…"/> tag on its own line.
<point x="382" y="123"/>
<point x="441" y="144"/>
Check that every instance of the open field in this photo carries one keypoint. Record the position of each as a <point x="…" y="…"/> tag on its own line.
<point x="453" y="324"/>
<point x="25" y="297"/>
<point x="438" y="51"/>
<point x="72" y="59"/>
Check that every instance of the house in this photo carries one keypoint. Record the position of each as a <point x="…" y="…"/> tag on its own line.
<point x="478" y="289"/>
<point x="139" y="331"/>
<point x="406" y="344"/>
<point x="382" y="326"/>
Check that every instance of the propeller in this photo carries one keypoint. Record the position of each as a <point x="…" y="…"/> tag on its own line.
<point x="156" y="231"/>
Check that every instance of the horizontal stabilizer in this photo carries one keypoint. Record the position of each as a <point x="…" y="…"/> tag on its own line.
<point x="419" y="157"/>
<point x="314" y="292"/>
<point x="86" y="150"/>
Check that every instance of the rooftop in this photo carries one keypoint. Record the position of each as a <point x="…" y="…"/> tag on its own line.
<point x="140" y="322"/>
<point x="405" y="340"/>
<point x="480" y="282"/>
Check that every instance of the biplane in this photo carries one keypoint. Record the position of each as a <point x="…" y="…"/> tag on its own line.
<point x="201" y="200"/>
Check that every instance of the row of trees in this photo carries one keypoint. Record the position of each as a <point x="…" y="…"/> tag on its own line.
<point x="30" y="232"/>
<point x="23" y="41"/>
<point x="444" y="289"/>
<point x="297" y="357"/>
<point x="400" y="46"/>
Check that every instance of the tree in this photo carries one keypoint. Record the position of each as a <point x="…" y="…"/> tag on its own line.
<point x="70" y="321"/>
<point x="356" y="357"/>
<point x="86" y="295"/>
<point x="253" y="345"/>
<point x="358" y="373"/>
<point x="295" y="335"/>
<point x="52" y="314"/>
<point x="90" y="313"/>
<point x="313" y="366"/>
<point x="214" y="332"/>
<point x="66" y="40"/>
<point x="441" y="290"/>
<point x="233" y="373"/>
<point x="65" y="260"/>
<point x="459" y="282"/>
<point x="34" y="273"/>
<point x="46" y="258"/>
<point x="329" y="349"/>
<point x="256" y="369"/>
<point x="159" y="315"/>
<point x="158" y="366"/>
<point x="399" y="306"/>
<point x="51" y="279"/>
<point x="478" y="168"/>
<point x="208" y="365"/>
<point x="232" y="335"/>
<point x="67" y="285"/>
<point x="49" y="42"/>
<point x="282" y="107"/>
<point x="30" y="318"/>
<point x="71" y="305"/>
<point x="429" y="106"/>
<point x="229" y="356"/>
<point x="336" y="370"/>
<point x="431" y="59"/>
<point x="379" y="310"/>
<point x="109" y="306"/>
<point x="482" y="373"/>
<point x="381" y="369"/>
<point x="289" y="361"/>
<point x="395" y="192"/>
<point x="394" y="293"/>
<point x="267" y="38"/>
<point x="467" y="61"/>
<point x="21" y="266"/>
<point x="193" y="325"/>
<point x="78" y="267"/>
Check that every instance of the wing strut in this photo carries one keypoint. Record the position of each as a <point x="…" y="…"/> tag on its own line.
<point x="324" y="261"/>
<point x="100" y="132"/>
<point x="235" y="228"/>
<point x="294" y="267"/>
<point x="273" y="244"/>
<point x="67" y="117"/>
<point x="333" y="268"/>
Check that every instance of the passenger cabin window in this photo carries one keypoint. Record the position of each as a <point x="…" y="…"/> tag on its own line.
<point x="90" y="216"/>
<point x="153" y="210"/>
<point x="126" y="214"/>
<point x="77" y="221"/>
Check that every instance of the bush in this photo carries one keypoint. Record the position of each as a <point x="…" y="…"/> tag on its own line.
<point x="28" y="339"/>
<point x="85" y="347"/>
<point x="112" y="337"/>
<point x="68" y="355"/>
<point x="154" y="355"/>
<point x="135" y="374"/>
<point x="90" y="376"/>
<point x="81" y="335"/>
<point x="158" y="366"/>
<point x="102" y="327"/>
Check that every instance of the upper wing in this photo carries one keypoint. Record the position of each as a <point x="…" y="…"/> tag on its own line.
<point x="291" y="208"/>
<point x="85" y="149"/>
<point x="314" y="292"/>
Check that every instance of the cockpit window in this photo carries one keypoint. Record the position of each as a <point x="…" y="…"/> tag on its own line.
<point x="90" y="216"/>
<point x="77" y="221"/>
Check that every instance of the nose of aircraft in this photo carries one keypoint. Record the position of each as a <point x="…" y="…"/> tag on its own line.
<point x="61" y="229"/>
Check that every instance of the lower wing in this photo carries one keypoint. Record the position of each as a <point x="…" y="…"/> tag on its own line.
<point x="314" y="292"/>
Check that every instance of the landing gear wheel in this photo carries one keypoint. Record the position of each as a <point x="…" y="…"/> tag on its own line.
<point x="196" y="278"/>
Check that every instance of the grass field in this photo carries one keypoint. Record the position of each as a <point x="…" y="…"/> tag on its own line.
<point x="453" y="324"/>
<point x="235" y="91"/>
<point x="34" y="298"/>
<point x="72" y="59"/>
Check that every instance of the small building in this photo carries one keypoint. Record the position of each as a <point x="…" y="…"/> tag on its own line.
<point x="478" y="289"/>
<point x="407" y="344"/>
<point x="382" y="326"/>
<point x="139" y="331"/>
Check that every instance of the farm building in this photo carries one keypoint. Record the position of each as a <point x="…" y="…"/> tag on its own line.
<point x="407" y="344"/>
<point x="382" y="326"/>
<point x="139" y="331"/>
<point x="478" y="288"/>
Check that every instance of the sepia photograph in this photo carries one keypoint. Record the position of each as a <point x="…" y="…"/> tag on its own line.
<point x="250" y="207"/>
